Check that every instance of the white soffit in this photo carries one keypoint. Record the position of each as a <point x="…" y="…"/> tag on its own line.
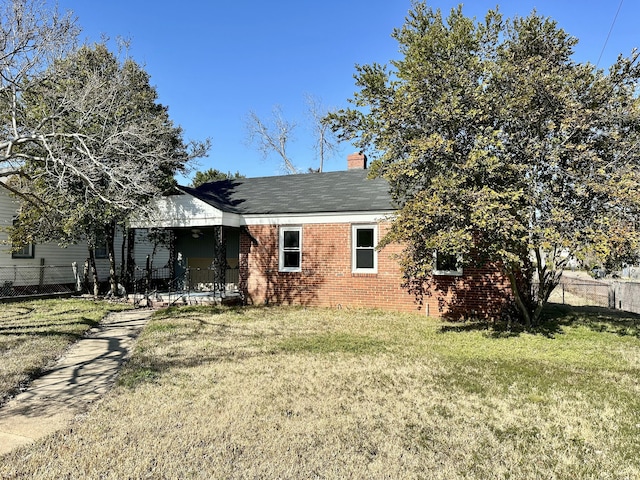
<point x="316" y="218"/>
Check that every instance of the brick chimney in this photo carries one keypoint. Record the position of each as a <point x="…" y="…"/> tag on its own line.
<point x="357" y="161"/>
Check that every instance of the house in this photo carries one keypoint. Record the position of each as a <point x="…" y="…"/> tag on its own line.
<point x="310" y="239"/>
<point x="48" y="267"/>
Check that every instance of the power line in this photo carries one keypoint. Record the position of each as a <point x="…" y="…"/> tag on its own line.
<point x="609" y="34"/>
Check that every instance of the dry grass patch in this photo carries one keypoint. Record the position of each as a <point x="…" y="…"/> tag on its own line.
<point x="34" y="334"/>
<point x="295" y="393"/>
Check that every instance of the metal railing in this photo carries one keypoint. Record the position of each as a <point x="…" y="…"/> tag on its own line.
<point x="207" y="279"/>
<point x="190" y="280"/>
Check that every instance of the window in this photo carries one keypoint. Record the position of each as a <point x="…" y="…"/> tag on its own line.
<point x="101" y="250"/>
<point x="364" y="255"/>
<point x="290" y="249"/>
<point x="24" y="252"/>
<point x="447" y="264"/>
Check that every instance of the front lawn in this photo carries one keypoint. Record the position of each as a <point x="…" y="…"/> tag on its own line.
<point x="33" y="334"/>
<point x="318" y="393"/>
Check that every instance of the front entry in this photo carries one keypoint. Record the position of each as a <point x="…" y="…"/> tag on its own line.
<point x="208" y="258"/>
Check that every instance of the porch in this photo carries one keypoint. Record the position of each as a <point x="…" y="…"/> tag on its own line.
<point x="203" y="267"/>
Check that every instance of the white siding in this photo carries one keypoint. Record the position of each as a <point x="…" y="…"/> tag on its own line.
<point x="144" y="247"/>
<point x="58" y="260"/>
<point x="49" y="253"/>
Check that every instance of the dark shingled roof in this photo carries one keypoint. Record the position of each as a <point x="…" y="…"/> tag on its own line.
<point x="344" y="191"/>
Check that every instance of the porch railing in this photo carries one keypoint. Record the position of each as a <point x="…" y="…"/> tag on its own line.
<point x="207" y="279"/>
<point x="191" y="280"/>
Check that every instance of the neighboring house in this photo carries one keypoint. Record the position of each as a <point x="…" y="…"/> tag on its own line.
<point x="310" y="239"/>
<point x="49" y="264"/>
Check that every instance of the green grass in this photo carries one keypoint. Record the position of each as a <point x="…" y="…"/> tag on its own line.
<point x="332" y="342"/>
<point x="318" y="393"/>
<point x="33" y="334"/>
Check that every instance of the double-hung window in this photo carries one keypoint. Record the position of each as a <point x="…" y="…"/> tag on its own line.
<point x="364" y="256"/>
<point x="290" y="249"/>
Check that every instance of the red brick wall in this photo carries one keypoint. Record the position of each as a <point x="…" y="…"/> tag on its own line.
<point x="479" y="293"/>
<point x="326" y="278"/>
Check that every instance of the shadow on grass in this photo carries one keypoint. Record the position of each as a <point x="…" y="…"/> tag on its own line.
<point x="187" y="311"/>
<point x="51" y="328"/>
<point x="149" y="369"/>
<point x="598" y="319"/>
<point x="554" y="319"/>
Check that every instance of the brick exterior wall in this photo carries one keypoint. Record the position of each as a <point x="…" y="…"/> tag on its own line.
<point x="478" y="293"/>
<point x="327" y="280"/>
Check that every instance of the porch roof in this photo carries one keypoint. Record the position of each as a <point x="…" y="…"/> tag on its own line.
<point x="343" y="191"/>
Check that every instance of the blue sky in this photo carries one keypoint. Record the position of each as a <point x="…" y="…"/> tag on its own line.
<point x="214" y="61"/>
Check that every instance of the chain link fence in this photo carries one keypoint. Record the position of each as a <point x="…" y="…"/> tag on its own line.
<point x="40" y="280"/>
<point x="575" y="289"/>
<point x="35" y="280"/>
<point x="578" y="290"/>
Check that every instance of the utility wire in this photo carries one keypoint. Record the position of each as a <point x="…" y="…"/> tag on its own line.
<point x="609" y="34"/>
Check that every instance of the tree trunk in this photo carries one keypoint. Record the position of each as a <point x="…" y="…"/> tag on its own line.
<point x="548" y="279"/>
<point x="110" y="234"/>
<point x="85" y="276"/>
<point x="130" y="261"/>
<point x="173" y="256"/>
<point x="548" y="282"/>
<point x="94" y="270"/>
<point x="522" y="307"/>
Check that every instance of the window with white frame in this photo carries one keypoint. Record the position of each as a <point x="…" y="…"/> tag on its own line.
<point x="447" y="264"/>
<point x="364" y="239"/>
<point x="290" y="249"/>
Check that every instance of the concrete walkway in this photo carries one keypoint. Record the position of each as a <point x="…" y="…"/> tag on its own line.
<point x="87" y="371"/>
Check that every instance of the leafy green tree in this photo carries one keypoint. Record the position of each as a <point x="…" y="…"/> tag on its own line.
<point x="119" y="146"/>
<point x="213" y="175"/>
<point x="500" y="148"/>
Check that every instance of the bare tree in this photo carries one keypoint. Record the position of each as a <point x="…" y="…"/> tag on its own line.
<point x="325" y="142"/>
<point x="82" y="138"/>
<point x="67" y="113"/>
<point x="32" y="36"/>
<point x="113" y="149"/>
<point x="272" y="137"/>
<point x="112" y="140"/>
